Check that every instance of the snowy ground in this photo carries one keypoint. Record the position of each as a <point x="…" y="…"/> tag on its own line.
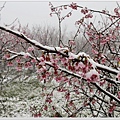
<point x="17" y="97"/>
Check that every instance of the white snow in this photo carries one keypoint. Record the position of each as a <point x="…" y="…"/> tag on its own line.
<point x="91" y="72"/>
<point x="102" y="66"/>
<point x="12" y="57"/>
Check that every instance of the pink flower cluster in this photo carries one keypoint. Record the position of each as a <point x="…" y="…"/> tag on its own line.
<point x="92" y="76"/>
<point x="28" y="65"/>
<point x="84" y="11"/>
<point x="10" y="64"/>
<point x="89" y="15"/>
<point x="117" y="11"/>
<point x="112" y="108"/>
<point x="6" y="56"/>
<point x="73" y="6"/>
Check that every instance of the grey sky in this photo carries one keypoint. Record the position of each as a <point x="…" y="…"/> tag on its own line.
<point x="37" y="13"/>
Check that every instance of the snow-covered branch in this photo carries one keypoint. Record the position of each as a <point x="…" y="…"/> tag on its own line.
<point x="107" y="93"/>
<point x="37" y="44"/>
<point x="103" y="67"/>
<point x="65" y="71"/>
<point x="18" y="54"/>
<point x="61" y="51"/>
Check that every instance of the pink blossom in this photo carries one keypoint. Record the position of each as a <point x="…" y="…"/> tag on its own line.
<point x="92" y="76"/>
<point x="47" y="73"/>
<point x="108" y="38"/>
<point x="55" y="63"/>
<point x="84" y="11"/>
<point x="67" y="96"/>
<point x="75" y="79"/>
<point x="28" y="65"/>
<point x="88" y="16"/>
<point x="89" y="26"/>
<point x="91" y="90"/>
<point x="44" y="77"/>
<point x="112" y="108"/>
<point x="72" y="42"/>
<point x="65" y="6"/>
<point x="103" y="60"/>
<point x="9" y="64"/>
<point x="89" y="33"/>
<point x="105" y="11"/>
<point x="84" y="68"/>
<point x="19" y="68"/>
<point x="50" y="14"/>
<point x="118" y="75"/>
<point x="18" y="60"/>
<point x="104" y="41"/>
<point x="94" y="51"/>
<point x="77" y="92"/>
<point x="65" y="79"/>
<point x="26" y="56"/>
<point x="48" y="100"/>
<point x="42" y="61"/>
<point x="59" y="78"/>
<point x="61" y="90"/>
<point x="116" y="10"/>
<point x="81" y="65"/>
<point x="55" y="71"/>
<point x="30" y="49"/>
<point x="39" y="114"/>
<point x="64" y="61"/>
<point x="33" y="61"/>
<point x="70" y="67"/>
<point x="73" y="6"/>
<point x="35" y="115"/>
<point x="55" y="66"/>
<point x="118" y="59"/>
<point x="47" y="58"/>
<point x="119" y="94"/>
<point x="6" y="56"/>
<point x="102" y="82"/>
<point x="71" y="57"/>
<point x="42" y="69"/>
<point x="53" y="108"/>
<point x="91" y="38"/>
<point x="38" y="71"/>
<point x="71" y="103"/>
<point x="46" y="107"/>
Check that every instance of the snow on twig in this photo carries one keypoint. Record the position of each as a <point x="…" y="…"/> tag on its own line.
<point x="18" y="54"/>
<point x="103" y="67"/>
<point x="94" y="64"/>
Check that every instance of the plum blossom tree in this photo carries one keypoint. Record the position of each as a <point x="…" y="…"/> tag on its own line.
<point x="84" y="84"/>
